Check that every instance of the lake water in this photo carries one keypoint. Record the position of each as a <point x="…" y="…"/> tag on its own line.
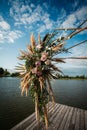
<point x="14" y="108"/>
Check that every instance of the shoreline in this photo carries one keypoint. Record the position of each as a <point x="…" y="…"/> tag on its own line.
<point x="59" y="78"/>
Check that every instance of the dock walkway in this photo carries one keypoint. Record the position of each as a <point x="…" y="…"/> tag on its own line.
<point x="61" y="117"/>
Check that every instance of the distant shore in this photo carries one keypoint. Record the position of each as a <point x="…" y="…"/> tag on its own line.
<point x="6" y="73"/>
<point x="57" y="78"/>
<point x="72" y="77"/>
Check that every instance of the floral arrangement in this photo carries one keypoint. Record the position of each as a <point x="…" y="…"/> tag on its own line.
<point x="39" y="68"/>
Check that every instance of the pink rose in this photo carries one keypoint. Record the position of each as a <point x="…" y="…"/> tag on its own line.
<point x="44" y="56"/>
<point x="35" y="71"/>
<point x="38" y="63"/>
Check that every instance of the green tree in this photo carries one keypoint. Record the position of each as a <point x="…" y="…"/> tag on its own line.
<point x="6" y="72"/>
<point x="16" y="74"/>
<point x="1" y="71"/>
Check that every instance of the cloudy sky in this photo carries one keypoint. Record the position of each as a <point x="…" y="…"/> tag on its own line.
<point x="20" y="18"/>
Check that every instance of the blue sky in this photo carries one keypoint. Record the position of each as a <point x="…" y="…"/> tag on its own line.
<point x="20" y="18"/>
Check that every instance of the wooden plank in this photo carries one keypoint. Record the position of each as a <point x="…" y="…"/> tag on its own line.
<point x="62" y="125"/>
<point x="57" y="119"/>
<point x="68" y="119"/>
<point x="64" y="120"/>
<point x="53" y="115"/>
<point x="82" y="120"/>
<point x="50" y="115"/>
<point x="53" y="110"/>
<point x="85" y="120"/>
<point x="61" y="117"/>
<point x="77" y="123"/>
<point x="73" y="120"/>
<point x="34" y="125"/>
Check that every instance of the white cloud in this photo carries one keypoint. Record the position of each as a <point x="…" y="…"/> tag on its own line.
<point x="78" y="15"/>
<point x="6" y="34"/>
<point x="1" y="36"/>
<point x="3" y="24"/>
<point x="13" y="35"/>
<point x="74" y="67"/>
<point x="38" y="16"/>
<point x="32" y="5"/>
<point x="24" y="8"/>
<point x="9" y="36"/>
<point x="42" y="29"/>
<point x="79" y="50"/>
<point x="81" y="13"/>
<point x="76" y="63"/>
<point x="70" y="21"/>
<point x="28" y="15"/>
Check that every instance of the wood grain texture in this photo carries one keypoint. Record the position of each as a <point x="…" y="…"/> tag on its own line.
<point x="61" y="117"/>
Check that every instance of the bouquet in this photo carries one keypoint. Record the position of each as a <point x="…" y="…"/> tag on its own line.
<point x="39" y="69"/>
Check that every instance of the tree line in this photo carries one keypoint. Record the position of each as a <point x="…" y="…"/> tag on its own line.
<point x="6" y="73"/>
<point x="71" y="77"/>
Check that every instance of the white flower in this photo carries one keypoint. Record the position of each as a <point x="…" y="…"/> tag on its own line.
<point x="38" y="46"/>
<point x="46" y="47"/>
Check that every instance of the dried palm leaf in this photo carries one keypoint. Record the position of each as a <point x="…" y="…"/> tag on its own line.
<point x="57" y="60"/>
<point x="41" y="80"/>
<point x="46" y="117"/>
<point x="39" y="39"/>
<point x="32" y="41"/>
<point x="30" y="49"/>
<point x="55" y="68"/>
<point x="58" y="47"/>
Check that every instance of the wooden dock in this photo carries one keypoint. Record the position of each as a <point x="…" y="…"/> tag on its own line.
<point x="61" y="117"/>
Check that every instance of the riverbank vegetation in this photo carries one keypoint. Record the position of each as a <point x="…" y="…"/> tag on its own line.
<point x="6" y="73"/>
<point x="71" y="77"/>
